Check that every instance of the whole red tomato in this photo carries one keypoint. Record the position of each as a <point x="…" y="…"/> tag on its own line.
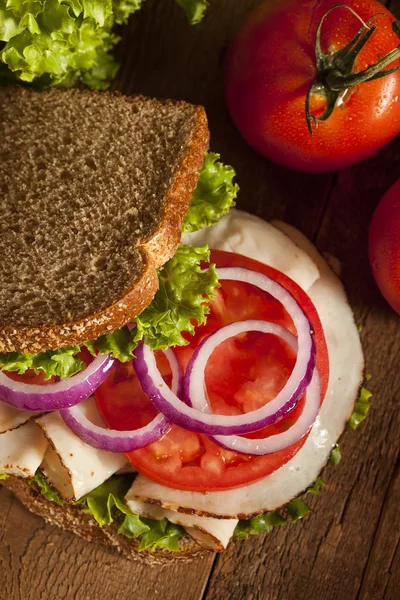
<point x="384" y="246"/>
<point x="271" y="67"/>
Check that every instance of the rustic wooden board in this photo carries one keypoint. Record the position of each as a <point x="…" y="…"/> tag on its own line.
<point x="42" y="562"/>
<point x="348" y="548"/>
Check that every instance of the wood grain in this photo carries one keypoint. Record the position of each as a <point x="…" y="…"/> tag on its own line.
<point x="348" y="547"/>
<point x="42" y="562"/>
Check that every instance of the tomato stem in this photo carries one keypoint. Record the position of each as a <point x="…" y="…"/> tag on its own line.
<point x="336" y="70"/>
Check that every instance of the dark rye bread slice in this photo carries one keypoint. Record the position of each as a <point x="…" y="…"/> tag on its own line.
<point x="71" y="518"/>
<point x="94" y="188"/>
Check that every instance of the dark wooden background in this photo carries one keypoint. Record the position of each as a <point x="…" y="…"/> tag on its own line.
<point x="348" y="547"/>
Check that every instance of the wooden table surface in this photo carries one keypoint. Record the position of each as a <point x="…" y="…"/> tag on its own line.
<point x="348" y="547"/>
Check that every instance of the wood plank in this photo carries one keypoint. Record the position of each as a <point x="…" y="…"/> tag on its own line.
<point x="382" y="575"/>
<point x="40" y="561"/>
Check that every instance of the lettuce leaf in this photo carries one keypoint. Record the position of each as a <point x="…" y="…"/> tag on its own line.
<point x="194" y="9"/>
<point x="297" y="509"/>
<point x="62" y="42"/>
<point x="161" y="534"/>
<point x="361" y="408"/>
<point x="62" y="363"/>
<point x="43" y="486"/>
<point x="107" y="501"/>
<point x="109" y="497"/>
<point x="106" y="504"/>
<point x="214" y="195"/>
<point x="258" y="524"/>
<point x="133" y="526"/>
<point x="336" y="456"/>
<point x="121" y="344"/>
<point x="59" y="42"/>
<point x="124" y="8"/>
<point x="181" y="301"/>
<point x="317" y="487"/>
<point x="4" y="476"/>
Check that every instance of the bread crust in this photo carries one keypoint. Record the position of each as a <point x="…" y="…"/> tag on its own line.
<point x="71" y="518"/>
<point x="154" y="251"/>
<point x="51" y="337"/>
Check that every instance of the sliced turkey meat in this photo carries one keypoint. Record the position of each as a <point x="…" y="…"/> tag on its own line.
<point x="11" y="418"/>
<point x="71" y="466"/>
<point x="22" y="450"/>
<point x="211" y="533"/>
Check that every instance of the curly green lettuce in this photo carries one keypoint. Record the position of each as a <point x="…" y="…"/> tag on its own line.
<point x="214" y="195"/>
<point x="62" y="42"/>
<point x="194" y="9"/>
<point x="181" y="302"/>
<point x="296" y="510"/>
<point x="106" y="505"/>
<point x="54" y="363"/>
<point x="258" y="524"/>
<point x="120" y="344"/>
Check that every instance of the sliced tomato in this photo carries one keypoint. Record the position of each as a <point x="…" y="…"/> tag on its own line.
<point x="243" y="374"/>
<point x="271" y="66"/>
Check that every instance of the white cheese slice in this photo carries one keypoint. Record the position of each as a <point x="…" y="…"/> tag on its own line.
<point x="22" y="450"/>
<point x="346" y="373"/>
<point x="249" y="235"/>
<point x="211" y="533"/>
<point x="73" y="467"/>
<point x="11" y="418"/>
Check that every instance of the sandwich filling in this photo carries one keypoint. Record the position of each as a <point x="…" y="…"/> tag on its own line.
<point x="149" y="507"/>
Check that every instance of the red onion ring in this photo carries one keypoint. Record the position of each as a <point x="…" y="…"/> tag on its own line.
<point x="59" y="395"/>
<point x="112" y="440"/>
<point x="193" y="419"/>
